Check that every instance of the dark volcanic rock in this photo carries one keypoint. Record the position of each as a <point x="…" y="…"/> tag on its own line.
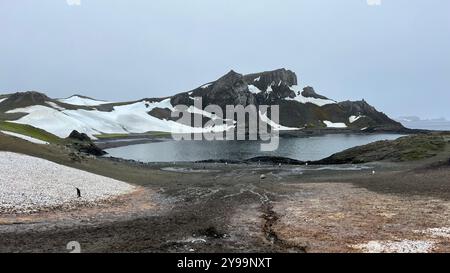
<point x="79" y="136"/>
<point x="276" y="77"/>
<point x="24" y="99"/>
<point x="308" y="91"/>
<point x="88" y="148"/>
<point x="274" y="160"/>
<point x="82" y="143"/>
<point x="181" y="99"/>
<point x="230" y="89"/>
<point x="161" y="113"/>
<point x="372" y="119"/>
<point x="277" y="89"/>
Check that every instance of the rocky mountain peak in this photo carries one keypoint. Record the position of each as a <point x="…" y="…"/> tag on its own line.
<point x="276" y="77"/>
<point x="230" y="89"/>
<point x="309" y="92"/>
<point x="24" y="99"/>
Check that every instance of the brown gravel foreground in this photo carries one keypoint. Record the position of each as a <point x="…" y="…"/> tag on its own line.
<point x="188" y="207"/>
<point x="228" y="209"/>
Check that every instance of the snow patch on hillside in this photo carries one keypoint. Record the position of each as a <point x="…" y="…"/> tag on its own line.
<point x="54" y="105"/>
<point x="24" y="137"/>
<point x="3" y="99"/>
<point x="352" y="119"/>
<point x="300" y="98"/>
<point x="123" y="119"/>
<point x="205" y="85"/>
<point x="330" y="124"/>
<point x="275" y="126"/>
<point x="80" y="101"/>
<point x="253" y="89"/>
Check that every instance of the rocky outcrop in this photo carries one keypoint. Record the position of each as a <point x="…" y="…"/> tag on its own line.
<point x="75" y="135"/>
<point x="370" y="117"/>
<point x="24" y="99"/>
<point x="231" y="89"/>
<point x="277" y="77"/>
<point x="409" y="148"/>
<point x="82" y="143"/>
<point x="309" y="92"/>
<point x="277" y="88"/>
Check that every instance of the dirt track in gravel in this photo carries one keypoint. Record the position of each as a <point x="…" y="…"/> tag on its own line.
<point x="227" y="208"/>
<point x="190" y="207"/>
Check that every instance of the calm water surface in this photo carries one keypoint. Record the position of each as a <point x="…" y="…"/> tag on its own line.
<point x="310" y="148"/>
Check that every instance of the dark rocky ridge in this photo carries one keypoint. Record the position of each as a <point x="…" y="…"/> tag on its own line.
<point x="308" y="91"/>
<point x="263" y="80"/>
<point x="24" y="99"/>
<point x="408" y="148"/>
<point x="276" y="89"/>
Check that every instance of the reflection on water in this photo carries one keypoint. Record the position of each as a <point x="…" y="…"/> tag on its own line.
<point x="310" y="148"/>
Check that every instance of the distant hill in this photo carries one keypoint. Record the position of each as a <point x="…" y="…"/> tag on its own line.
<point x="414" y="122"/>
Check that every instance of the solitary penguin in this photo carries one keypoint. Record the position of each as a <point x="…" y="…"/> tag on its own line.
<point x="78" y="192"/>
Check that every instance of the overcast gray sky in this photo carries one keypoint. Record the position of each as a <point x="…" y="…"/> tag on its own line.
<point x="396" y="55"/>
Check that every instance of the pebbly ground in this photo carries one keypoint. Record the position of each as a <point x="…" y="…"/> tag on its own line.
<point x="216" y="207"/>
<point x="31" y="184"/>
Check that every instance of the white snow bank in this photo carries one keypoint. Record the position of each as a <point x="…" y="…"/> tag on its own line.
<point x="405" y="246"/>
<point x="77" y="100"/>
<point x="29" y="183"/>
<point x="205" y="85"/>
<point x="275" y="126"/>
<point x="253" y="89"/>
<point x="300" y="98"/>
<point x="257" y="79"/>
<point x="123" y="119"/>
<point x="54" y="105"/>
<point x="27" y="138"/>
<point x="330" y="124"/>
<point x="3" y="99"/>
<point x="352" y="119"/>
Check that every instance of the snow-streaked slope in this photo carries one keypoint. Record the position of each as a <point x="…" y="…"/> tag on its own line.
<point x="54" y="105"/>
<point x="300" y="98"/>
<point x="77" y="100"/>
<point x="206" y="85"/>
<point x="24" y="137"/>
<point x="253" y="89"/>
<point x="130" y="118"/>
<point x="3" y="99"/>
<point x="352" y="119"/>
<point x="330" y="124"/>
<point x="275" y="126"/>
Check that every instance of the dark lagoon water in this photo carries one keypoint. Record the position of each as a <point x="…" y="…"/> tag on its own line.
<point x="308" y="148"/>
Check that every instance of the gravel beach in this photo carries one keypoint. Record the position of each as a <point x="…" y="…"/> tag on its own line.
<point x="29" y="184"/>
<point x="197" y="207"/>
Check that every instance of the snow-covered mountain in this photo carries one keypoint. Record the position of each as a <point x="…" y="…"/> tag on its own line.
<point x="300" y="108"/>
